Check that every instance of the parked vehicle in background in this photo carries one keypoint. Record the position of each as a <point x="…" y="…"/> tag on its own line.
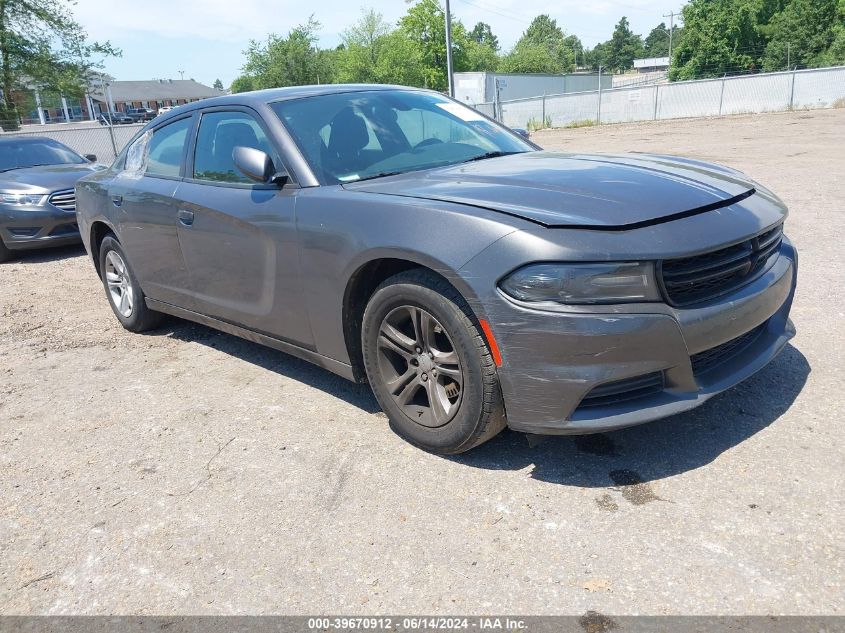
<point x="37" y="199"/>
<point x="165" y="109"/>
<point x="114" y="118"/>
<point x="395" y="236"/>
<point x="141" y="114"/>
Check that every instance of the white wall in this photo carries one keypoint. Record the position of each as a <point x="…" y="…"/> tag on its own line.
<point x="769" y="92"/>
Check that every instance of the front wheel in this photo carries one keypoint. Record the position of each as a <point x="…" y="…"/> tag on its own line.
<point x="429" y="365"/>
<point x="123" y="291"/>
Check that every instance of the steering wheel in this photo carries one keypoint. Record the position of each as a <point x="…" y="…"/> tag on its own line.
<point x="427" y="142"/>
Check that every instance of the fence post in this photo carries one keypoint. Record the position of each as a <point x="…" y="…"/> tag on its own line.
<point x="111" y="136"/>
<point x="543" y="120"/>
<point x="722" y="94"/>
<point x="656" y="93"/>
<point x="792" y="90"/>
<point x="598" y="110"/>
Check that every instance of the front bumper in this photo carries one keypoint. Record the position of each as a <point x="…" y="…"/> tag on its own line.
<point x="553" y="361"/>
<point x="23" y="228"/>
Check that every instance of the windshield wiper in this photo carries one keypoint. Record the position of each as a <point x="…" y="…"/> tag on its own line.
<point x="487" y="155"/>
<point x="381" y="174"/>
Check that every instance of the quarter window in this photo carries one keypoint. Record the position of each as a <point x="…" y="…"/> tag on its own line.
<point x="219" y="134"/>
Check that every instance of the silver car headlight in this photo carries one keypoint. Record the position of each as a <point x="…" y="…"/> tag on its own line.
<point x="614" y="282"/>
<point x="22" y="199"/>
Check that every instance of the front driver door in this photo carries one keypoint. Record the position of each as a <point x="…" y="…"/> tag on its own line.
<point x="238" y="237"/>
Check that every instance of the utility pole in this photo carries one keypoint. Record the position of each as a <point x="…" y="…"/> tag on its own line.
<point x="449" y="74"/>
<point x="671" y="15"/>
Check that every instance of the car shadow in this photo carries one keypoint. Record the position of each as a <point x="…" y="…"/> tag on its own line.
<point x="51" y="254"/>
<point x="358" y="395"/>
<point x="627" y="457"/>
<point x="680" y="443"/>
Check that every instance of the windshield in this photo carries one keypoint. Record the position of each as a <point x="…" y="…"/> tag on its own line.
<point x="32" y="153"/>
<point x="358" y="135"/>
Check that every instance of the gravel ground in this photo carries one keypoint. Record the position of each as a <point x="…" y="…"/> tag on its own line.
<point x="187" y="471"/>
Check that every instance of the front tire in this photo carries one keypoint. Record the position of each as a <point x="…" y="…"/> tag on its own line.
<point x="429" y="365"/>
<point x="123" y="290"/>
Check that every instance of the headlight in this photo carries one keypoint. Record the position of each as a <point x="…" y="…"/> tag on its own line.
<point x="616" y="282"/>
<point x="17" y="198"/>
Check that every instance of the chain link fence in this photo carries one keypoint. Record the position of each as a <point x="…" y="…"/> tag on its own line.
<point x="765" y="92"/>
<point x="87" y="137"/>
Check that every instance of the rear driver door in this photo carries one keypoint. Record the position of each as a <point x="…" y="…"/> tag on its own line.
<point x="147" y="212"/>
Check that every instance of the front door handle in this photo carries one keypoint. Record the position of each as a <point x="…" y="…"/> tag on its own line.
<point x="186" y="217"/>
<point x="117" y="200"/>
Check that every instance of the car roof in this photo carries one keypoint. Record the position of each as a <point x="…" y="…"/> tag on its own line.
<point x="270" y="95"/>
<point x="19" y="138"/>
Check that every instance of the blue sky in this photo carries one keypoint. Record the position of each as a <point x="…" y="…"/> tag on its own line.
<point x="205" y="38"/>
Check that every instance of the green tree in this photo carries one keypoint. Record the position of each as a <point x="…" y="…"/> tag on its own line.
<point x="801" y="34"/>
<point x="483" y="34"/>
<point x="543" y="48"/>
<point x="656" y="43"/>
<point x="363" y="45"/>
<point x="624" y="47"/>
<point x="42" y="45"/>
<point x="285" y="61"/>
<point x="425" y="25"/>
<point x="722" y="36"/>
<point x="217" y="85"/>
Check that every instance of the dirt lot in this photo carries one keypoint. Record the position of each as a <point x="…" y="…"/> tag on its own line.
<point x="187" y="471"/>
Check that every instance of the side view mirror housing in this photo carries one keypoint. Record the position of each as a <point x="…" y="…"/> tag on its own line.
<point x="257" y="165"/>
<point x="521" y="131"/>
<point x="91" y="158"/>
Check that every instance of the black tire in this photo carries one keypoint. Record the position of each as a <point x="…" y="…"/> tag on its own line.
<point x="5" y="253"/>
<point x="478" y="413"/>
<point x="139" y="318"/>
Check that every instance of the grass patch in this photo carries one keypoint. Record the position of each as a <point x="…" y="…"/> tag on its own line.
<point x="582" y="123"/>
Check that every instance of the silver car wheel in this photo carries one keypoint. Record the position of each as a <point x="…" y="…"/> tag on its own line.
<point x="119" y="284"/>
<point x="419" y="366"/>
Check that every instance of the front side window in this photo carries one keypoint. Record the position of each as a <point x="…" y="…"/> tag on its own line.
<point x="166" y="147"/>
<point x="358" y="135"/>
<point x="219" y="134"/>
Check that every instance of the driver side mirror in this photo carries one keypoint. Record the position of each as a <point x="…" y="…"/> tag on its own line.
<point x="91" y="158"/>
<point x="521" y="131"/>
<point x="257" y="165"/>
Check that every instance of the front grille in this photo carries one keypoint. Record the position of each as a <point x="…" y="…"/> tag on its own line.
<point x="694" y="279"/>
<point x="624" y="390"/>
<point x="64" y="200"/>
<point x="715" y="356"/>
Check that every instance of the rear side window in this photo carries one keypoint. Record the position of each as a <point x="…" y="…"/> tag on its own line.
<point x="219" y="134"/>
<point x="166" y="147"/>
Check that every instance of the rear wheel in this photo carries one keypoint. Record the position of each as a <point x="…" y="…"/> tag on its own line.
<point x="123" y="291"/>
<point x="429" y="365"/>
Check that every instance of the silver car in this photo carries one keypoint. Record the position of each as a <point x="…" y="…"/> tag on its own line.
<point x="397" y="237"/>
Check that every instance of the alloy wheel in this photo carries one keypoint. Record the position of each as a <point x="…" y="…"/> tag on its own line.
<point x="419" y="366"/>
<point x="119" y="284"/>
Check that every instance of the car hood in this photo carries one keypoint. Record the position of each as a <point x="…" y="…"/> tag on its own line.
<point x="46" y="178"/>
<point x="576" y="190"/>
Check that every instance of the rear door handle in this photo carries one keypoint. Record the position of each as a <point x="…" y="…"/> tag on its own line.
<point x="117" y="200"/>
<point x="186" y="217"/>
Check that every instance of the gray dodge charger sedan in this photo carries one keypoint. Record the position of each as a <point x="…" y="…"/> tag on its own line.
<point x="394" y="236"/>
